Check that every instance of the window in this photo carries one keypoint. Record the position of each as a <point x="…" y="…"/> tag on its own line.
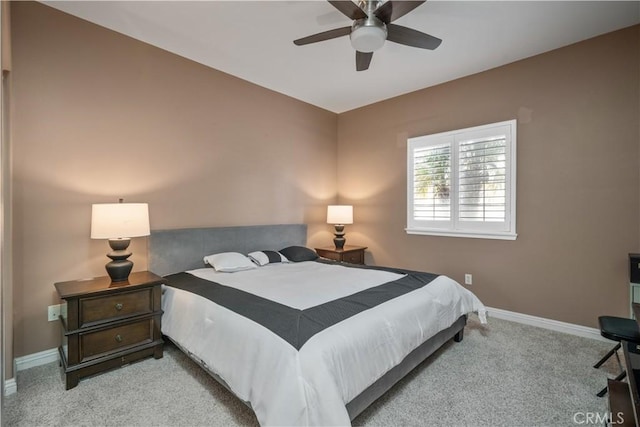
<point x="463" y="183"/>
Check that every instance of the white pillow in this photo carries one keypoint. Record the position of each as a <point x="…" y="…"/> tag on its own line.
<point x="267" y="257"/>
<point x="229" y="262"/>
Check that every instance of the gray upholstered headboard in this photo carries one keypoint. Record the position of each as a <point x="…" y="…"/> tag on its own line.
<point x="173" y="251"/>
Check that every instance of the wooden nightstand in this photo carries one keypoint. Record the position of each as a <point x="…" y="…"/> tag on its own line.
<point x="350" y="254"/>
<point x="109" y="325"/>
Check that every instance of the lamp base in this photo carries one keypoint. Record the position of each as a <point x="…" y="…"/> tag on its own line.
<point x="119" y="267"/>
<point x="339" y="239"/>
<point x="119" y="270"/>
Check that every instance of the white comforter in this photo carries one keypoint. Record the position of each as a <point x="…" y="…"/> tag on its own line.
<point x="310" y="386"/>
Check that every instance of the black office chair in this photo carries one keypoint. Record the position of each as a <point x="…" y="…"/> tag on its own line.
<point x="618" y="329"/>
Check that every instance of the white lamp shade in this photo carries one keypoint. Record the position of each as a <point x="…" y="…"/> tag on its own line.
<point x="119" y="220"/>
<point x="339" y="214"/>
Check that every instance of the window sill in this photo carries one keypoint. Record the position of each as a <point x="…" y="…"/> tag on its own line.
<point x="468" y="234"/>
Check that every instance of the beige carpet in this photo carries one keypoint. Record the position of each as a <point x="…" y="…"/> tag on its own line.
<point x="502" y="374"/>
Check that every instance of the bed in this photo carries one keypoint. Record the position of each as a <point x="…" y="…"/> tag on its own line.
<point x="310" y="342"/>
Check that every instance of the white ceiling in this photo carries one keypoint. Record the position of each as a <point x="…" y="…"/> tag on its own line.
<point x="253" y="40"/>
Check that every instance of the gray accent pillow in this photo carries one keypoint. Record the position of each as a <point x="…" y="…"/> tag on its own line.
<point x="299" y="253"/>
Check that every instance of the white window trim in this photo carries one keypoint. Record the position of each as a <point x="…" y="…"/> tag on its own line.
<point x="455" y="230"/>
<point x="465" y="233"/>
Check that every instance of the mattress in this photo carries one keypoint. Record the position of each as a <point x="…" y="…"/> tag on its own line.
<point x="361" y="322"/>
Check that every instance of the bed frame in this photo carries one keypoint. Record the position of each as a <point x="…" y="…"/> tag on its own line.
<point x="173" y="251"/>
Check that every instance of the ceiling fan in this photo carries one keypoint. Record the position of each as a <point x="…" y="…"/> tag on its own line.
<point x="372" y="26"/>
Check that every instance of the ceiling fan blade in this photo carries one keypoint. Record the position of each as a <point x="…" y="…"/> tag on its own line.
<point x="326" y="35"/>
<point x="392" y="10"/>
<point x="349" y="9"/>
<point x="363" y="59"/>
<point x="411" y="37"/>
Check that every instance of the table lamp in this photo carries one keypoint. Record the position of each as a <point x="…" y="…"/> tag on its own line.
<point x="339" y="215"/>
<point x="118" y="222"/>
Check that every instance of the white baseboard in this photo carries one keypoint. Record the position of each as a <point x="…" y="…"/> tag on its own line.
<point x="541" y="322"/>
<point x="36" y="359"/>
<point x="10" y="386"/>
<point x="26" y="362"/>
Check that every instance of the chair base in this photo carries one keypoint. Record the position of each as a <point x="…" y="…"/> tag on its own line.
<point x="620" y="377"/>
<point x="608" y="355"/>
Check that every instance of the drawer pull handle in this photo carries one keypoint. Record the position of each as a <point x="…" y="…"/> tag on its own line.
<point x="118" y="306"/>
<point x="119" y="338"/>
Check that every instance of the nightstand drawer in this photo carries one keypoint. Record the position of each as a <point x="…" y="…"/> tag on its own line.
<point x="353" y="257"/>
<point x="330" y="255"/>
<point x="349" y="254"/>
<point x="103" y="309"/>
<point x="96" y="344"/>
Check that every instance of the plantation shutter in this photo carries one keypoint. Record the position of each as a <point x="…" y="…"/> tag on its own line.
<point x="482" y="180"/>
<point x="432" y="183"/>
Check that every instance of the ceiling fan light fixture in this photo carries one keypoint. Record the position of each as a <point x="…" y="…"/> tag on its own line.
<point x="372" y="25"/>
<point x="368" y="38"/>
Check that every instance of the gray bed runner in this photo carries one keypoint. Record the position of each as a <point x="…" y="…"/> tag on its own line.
<point x="293" y="325"/>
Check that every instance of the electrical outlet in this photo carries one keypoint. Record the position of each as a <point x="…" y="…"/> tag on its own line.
<point x="54" y="312"/>
<point x="468" y="279"/>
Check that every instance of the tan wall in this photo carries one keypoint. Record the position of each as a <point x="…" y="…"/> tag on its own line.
<point x="100" y="116"/>
<point x="577" y="179"/>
